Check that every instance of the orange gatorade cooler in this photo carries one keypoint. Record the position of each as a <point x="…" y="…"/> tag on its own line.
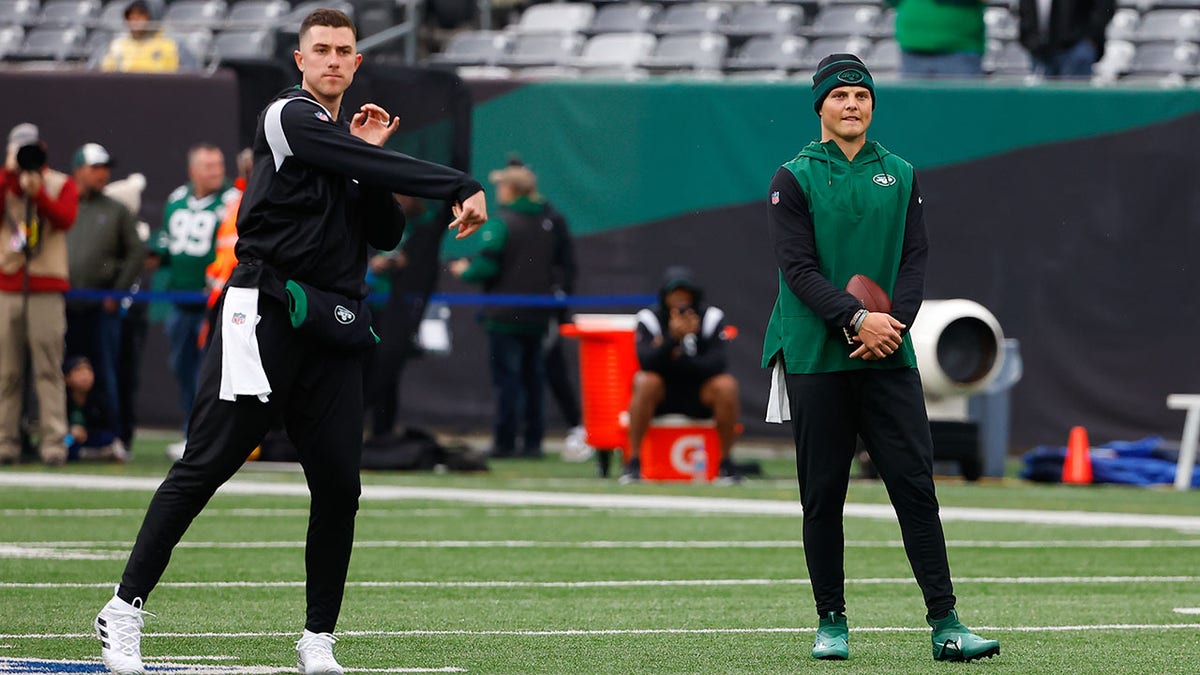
<point x="679" y="448"/>
<point x="607" y="363"/>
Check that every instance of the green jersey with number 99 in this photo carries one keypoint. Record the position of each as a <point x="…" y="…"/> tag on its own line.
<point x="186" y="244"/>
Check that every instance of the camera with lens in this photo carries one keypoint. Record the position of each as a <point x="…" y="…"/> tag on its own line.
<point x="31" y="157"/>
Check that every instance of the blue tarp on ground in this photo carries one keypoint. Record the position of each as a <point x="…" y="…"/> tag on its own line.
<point x="1144" y="462"/>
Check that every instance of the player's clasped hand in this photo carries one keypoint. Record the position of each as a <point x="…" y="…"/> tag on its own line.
<point x="469" y="215"/>
<point x="879" y="335"/>
<point x="373" y="124"/>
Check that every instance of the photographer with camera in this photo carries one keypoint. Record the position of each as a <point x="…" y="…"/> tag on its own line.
<point x="682" y="363"/>
<point x="39" y="207"/>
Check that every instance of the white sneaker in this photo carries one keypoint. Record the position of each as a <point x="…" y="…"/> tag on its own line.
<point x="175" y="450"/>
<point x="119" y="627"/>
<point x="314" y="654"/>
<point x="576" y="449"/>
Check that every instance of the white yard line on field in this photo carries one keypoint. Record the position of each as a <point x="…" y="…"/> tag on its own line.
<point x="33" y="549"/>
<point x="631" y="631"/>
<point x="618" y="501"/>
<point x="159" y="666"/>
<point x="1187" y="610"/>
<point x="618" y="583"/>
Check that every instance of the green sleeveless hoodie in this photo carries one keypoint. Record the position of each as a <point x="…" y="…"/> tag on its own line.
<point x="858" y="211"/>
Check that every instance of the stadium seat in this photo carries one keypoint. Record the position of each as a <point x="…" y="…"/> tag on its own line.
<point x="51" y="44"/>
<point x="769" y="53"/>
<point x="612" y="52"/>
<point x="688" y="52"/>
<point x="11" y="38"/>
<point x="184" y="14"/>
<point x="692" y="17"/>
<point x="112" y="16"/>
<point x="239" y="45"/>
<point x="196" y="42"/>
<point x="1165" y="58"/>
<point x="19" y="12"/>
<point x="543" y="50"/>
<point x="622" y="73"/>
<point x="251" y="14"/>
<point x="885" y="57"/>
<point x="885" y="27"/>
<point x="484" y="73"/>
<point x="1000" y="23"/>
<point x="1117" y="56"/>
<point x="1169" y="24"/>
<point x="1007" y="58"/>
<point x="64" y="13"/>
<point x="626" y="17"/>
<point x="291" y="23"/>
<point x="541" y="73"/>
<point x="474" y="48"/>
<point x="755" y="19"/>
<point x="821" y="47"/>
<point x="556" y="17"/>
<point x="1124" y="25"/>
<point x="757" y="76"/>
<point x="844" y="21"/>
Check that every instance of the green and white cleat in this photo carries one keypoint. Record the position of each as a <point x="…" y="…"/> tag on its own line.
<point x="833" y="638"/>
<point x="953" y="641"/>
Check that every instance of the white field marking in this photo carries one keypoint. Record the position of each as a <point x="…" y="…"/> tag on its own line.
<point x="189" y="658"/>
<point x="603" y="544"/>
<point x="191" y="669"/>
<point x="1187" y="610"/>
<point x="633" y="631"/>
<point x="621" y="583"/>
<point x="37" y="551"/>
<point x="618" y="501"/>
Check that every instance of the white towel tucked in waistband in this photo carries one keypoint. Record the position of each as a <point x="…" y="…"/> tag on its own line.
<point x="779" y="409"/>
<point x="241" y="365"/>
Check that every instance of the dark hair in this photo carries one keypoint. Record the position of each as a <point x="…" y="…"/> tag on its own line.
<point x="327" y="17"/>
<point x="203" y="146"/>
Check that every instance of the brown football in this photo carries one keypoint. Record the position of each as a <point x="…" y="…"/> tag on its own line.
<point x="869" y="293"/>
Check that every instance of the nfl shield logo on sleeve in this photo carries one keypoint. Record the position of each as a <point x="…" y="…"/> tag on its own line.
<point x="775" y="197"/>
<point x="238" y="318"/>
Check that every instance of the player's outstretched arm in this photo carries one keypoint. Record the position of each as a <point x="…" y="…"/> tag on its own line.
<point x="299" y="128"/>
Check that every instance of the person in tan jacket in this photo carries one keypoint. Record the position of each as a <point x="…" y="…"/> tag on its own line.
<point x="39" y="207"/>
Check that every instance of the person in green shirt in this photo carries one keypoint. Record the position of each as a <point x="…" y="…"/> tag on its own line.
<point x="847" y="206"/>
<point x="519" y="257"/>
<point x="940" y="38"/>
<point x="184" y="247"/>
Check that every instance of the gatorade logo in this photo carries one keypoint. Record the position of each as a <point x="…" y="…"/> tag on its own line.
<point x="685" y="451"/>
<point x="343" y="315"/>
<point x="850" y="76"/>
<point x="884" y="179"/>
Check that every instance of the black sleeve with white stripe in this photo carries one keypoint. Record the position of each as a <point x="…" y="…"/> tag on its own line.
<point x="294" y="128"/>
<point x="653" y="357"/>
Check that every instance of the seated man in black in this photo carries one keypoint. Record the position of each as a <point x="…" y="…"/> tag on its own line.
<point x="681" y="356"/>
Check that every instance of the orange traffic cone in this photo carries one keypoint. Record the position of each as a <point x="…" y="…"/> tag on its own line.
<point x="1077" y="468"/>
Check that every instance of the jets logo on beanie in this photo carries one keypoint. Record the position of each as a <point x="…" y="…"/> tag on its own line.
<point x="840" y="70"/>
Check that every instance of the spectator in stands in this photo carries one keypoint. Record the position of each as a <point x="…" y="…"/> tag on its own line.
<point x="1065" y="37"/>
<point x="104" y="252"/>
<point x="39" y="208"/>
<point x="682" y="367"/>
<point x="940" y="38"/>
<point x="145" y="49"/>
<point x="185" y="247"/>
<point x="90" y="434"/>
<point x="518" y="256"/>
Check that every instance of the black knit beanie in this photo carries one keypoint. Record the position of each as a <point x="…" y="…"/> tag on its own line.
<point x="840" y="70"/>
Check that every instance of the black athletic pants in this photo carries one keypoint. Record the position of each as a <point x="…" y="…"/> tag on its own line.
<point x="319" y="394"/>
<point x="887" y="409"/>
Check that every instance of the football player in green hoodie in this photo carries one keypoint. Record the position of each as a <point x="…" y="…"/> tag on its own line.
<point x="847" y="206"/>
